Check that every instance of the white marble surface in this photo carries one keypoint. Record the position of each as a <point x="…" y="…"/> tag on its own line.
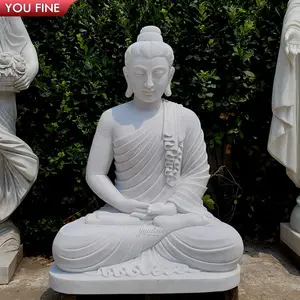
<point x="295" y="217"/>
<point x="203" y="282"/>
<point x="9" y="262"/>
<point x="290" y="237"/>
<point x="154" y="222"/>
<point x="18" y="164"/>
<point x="284" y="144"/>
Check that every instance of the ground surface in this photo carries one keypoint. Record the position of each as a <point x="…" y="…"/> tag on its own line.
<point x="266" y="275"/>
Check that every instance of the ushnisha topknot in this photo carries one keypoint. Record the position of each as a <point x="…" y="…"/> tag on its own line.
<point x="150" y="33"/>
<point x="149" y="44"/>
<point x="151" y="28"/>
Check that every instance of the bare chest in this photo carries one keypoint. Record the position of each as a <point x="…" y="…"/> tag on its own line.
<point x="138" y="127"/>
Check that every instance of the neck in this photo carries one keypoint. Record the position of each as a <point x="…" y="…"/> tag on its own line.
<point x="151" y="106"/>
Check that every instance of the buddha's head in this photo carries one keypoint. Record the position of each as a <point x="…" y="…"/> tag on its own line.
<point x="148" y="66"/>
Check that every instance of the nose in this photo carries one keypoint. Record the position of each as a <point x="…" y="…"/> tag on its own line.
<point x="149" y="83"/>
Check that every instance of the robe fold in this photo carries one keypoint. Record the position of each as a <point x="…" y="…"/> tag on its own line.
<point x="18" y="164"/>
<point x="163" y="161"/>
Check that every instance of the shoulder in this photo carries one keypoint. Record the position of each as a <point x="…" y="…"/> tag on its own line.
<point x="186" y="115"/>
<point x="113" y="115"/>
<point x="119" y="110"/>
<point x="106" y="116"/>
<point x="189" y="117"/>
<point x="114" y="112"/>
<point x="184" y="111"/>
<point x="106" y="120"/>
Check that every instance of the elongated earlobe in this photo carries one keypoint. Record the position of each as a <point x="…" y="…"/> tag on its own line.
<point x="168" y="91"/>
<point x="129" y="90"/>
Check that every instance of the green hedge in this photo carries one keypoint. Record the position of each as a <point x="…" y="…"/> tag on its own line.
<point x="225" y="57"/>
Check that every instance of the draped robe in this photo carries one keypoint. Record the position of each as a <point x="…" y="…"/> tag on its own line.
<point x="284" y="139"/>
<point x="18" y="164"/>
<point x="163" y="161"/>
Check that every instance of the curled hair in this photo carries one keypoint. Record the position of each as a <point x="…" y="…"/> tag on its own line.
<point x="149" y="45"/>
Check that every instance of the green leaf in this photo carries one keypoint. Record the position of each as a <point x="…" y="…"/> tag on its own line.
<point x="208" y="202"/>
<point x="249" y="74"/>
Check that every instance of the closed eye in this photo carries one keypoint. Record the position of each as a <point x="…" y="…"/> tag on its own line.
<point x="138" y="71"/>
<point x="159" y="73"/>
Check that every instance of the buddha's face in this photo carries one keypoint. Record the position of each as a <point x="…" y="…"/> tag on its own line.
<point x="148" y="78"/>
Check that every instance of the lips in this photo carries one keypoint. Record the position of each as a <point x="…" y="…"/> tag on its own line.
<point x="148" y="92"/>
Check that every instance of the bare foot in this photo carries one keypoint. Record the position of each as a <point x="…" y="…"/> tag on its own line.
<point x="179" y="221"/>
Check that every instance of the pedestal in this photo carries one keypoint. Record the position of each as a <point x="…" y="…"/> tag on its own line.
<point x="192" y="283"/>
<point x="291" y="242"/>
<point x="9" y="263"/>
<point x="228" y="295"/>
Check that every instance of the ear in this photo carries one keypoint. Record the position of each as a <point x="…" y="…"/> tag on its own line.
<point x="168" y="91"/>
<point x="129" y="91"/>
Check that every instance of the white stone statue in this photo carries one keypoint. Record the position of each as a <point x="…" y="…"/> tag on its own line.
<point x="18" y="164"/>
<point x="154" y="221"/>
<point x="284" y="138"/>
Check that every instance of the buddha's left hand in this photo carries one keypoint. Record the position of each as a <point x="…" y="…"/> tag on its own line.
<point x="157" y="209"/>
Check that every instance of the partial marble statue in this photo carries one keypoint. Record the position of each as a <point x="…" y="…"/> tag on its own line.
<point x="18" y="164"/>
<point x="154" y="221"/>
<point x="284" y="137"/>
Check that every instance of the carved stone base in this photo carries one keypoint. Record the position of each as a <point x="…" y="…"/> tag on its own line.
<point x="9" y="237"/>
<point x="202" y="282"/>
<point x="8" y="264"/>
<point x="290" y="237"/>
<point x="227" y="295"/>
<point x="290" y="243"/>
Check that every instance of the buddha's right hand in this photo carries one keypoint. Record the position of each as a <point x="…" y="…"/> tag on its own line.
<point x="157" y="209"/>
<point x="130" y="206"/>
<point x="162" y="209"/>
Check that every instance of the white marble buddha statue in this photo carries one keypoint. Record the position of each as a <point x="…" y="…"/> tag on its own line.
<point x="154" y="221"/>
